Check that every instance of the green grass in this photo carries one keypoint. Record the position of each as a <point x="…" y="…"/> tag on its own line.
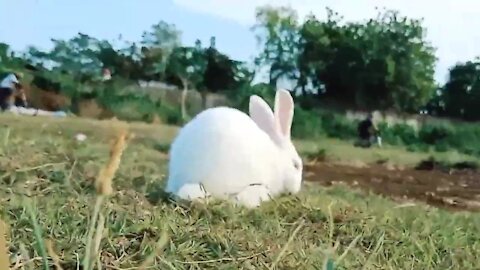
<point x="343" y="151"/>
<point x="159" y="137"/>
<point x="43" y="168"/>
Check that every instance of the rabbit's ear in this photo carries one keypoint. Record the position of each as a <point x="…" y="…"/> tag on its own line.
<point x="284" y="111"/>
<point x="263" y="116"/>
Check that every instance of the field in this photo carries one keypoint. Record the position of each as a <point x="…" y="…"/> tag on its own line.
<point x="371" y="210"/>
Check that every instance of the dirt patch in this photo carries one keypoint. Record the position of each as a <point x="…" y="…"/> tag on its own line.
<point x="90" y="108"/>
<point x="46" y="100"/>
<point x="455" y="189"/>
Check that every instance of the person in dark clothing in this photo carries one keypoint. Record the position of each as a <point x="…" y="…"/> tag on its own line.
<point x="11" y="92"/>
<point x="367" y="131"/>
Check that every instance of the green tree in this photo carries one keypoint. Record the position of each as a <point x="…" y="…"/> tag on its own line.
<point x="125" y="63"/>
<point x="277" y="32"/>
<point x="379" y="64"/>
<point x="158" y="44"/>
<point x="222" y="74"/>
<point x="461" y="93"/>
<point x="185" y="68"/>
<point x="76" y="56"/>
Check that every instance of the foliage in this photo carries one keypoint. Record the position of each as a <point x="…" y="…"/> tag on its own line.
<point x="460" y="96"/>
<point x="379" y="64"/>
<point x="277" y="32"/>
<point x="159" y="44"/>
<point x="240" y="98"/>
<point x="186" y="66"/>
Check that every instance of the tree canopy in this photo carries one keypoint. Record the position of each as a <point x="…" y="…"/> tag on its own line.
<point x="383" y="63"/>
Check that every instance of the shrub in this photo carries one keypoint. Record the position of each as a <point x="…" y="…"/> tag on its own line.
<point x="338" y="126"/>
<point x="306" y="124"/>
<point x="442" y="147"/>
<point x="435" y="133"/>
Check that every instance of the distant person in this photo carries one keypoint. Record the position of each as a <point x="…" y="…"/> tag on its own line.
<point x="106" y="74"/>
<point x="367" y="132"/>
<point x="14" y="100"/>
<point x="11" y="92"/>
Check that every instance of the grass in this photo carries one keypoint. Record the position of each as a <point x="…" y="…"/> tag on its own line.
<point x="47" y="191"/>
<point x="160" y="136"/>
<point x="343" y="151"/>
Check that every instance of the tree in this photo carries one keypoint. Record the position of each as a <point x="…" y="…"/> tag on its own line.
<point x="4" y="50"/>
<point x="9" y="60"/>
<point x="76" y="56"/>
<point x="185" y="67"/>
<point x="220" y="70"/>
<point x="221" y="73"/>
<point x="159" y="43"/>
<point x="277" y="32"/>
<point x="326" y="56"/>
<point x="124" y="63"/>
<point x="461" y="93"/>
<point x="379" y="64"/>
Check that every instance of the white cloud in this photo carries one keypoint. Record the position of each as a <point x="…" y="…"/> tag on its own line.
<point x="452" y="25"/>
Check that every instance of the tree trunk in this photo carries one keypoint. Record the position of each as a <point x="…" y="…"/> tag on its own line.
<point x="183" y="100"/>
<point x="204" y="94"/>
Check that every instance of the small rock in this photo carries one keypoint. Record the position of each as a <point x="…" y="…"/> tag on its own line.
<point x="390" y="166"/>
<point x="377" y="180"/>
<point x="80" y="137"/>
<point x="440" y="189"/>
<point x="463" y="184"/>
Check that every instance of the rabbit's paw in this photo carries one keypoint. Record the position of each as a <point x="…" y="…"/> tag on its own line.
<point x="253" y="195"/>
<point x="192" y="192"/>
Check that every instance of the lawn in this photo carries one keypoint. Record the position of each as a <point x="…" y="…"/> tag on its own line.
<point x="47" y="199"/>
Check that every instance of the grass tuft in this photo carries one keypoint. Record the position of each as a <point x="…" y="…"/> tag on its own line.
<point x="103" y="187"/>
<point x="38" y="234"/>
<point x="53" y="254"/>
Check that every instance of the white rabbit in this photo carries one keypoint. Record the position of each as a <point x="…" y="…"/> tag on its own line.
<point x="224" y="153"/>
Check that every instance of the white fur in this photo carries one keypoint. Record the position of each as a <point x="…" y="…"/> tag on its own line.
<point x="226" y="154"/>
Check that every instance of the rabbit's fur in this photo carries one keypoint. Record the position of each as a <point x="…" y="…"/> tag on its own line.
<point x="226" y="154"/>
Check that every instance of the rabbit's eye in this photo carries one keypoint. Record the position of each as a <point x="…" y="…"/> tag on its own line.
<point x="296" y="164"/>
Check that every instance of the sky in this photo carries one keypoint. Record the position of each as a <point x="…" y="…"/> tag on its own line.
<point x="452" y="26"/>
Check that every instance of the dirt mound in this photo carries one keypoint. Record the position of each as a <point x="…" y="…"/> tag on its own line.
<point x="46" y="100"/>
<point x="455" y="189"/>
<point x="432" y="164"/>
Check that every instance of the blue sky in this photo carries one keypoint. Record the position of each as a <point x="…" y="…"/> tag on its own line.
<point x="452" y="25"/>
<point x="42" y="20"/>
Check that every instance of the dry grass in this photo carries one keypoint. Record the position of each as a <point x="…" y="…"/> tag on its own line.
<point x="104" y="188"/>
<point x="3" y="247"/>
<point x="137" y="227"/>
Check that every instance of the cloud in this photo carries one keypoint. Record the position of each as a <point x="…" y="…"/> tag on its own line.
<point x="452" y="26"/>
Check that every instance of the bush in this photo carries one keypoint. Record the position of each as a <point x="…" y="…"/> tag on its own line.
<point x="442" y="147"/>
<point x="240" y="97"/>
<point x="170" y="115"/>
<point x="405" y="133"/>
<point x="306" y="124"/>
<point x="338" y="126"/>
<point x="418" y="148"/>
<point x="435" y="133"/>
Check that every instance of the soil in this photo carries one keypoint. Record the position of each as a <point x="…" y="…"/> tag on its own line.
<point x="452" y="189"/>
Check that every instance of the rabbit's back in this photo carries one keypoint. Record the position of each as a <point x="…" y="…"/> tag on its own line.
<point x="223" y="149"/>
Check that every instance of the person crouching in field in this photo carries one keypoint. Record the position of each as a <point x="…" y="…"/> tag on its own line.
<point x="368" y="133"/>
<point x="14" y="100"/>
<point x="11" y="92"/>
